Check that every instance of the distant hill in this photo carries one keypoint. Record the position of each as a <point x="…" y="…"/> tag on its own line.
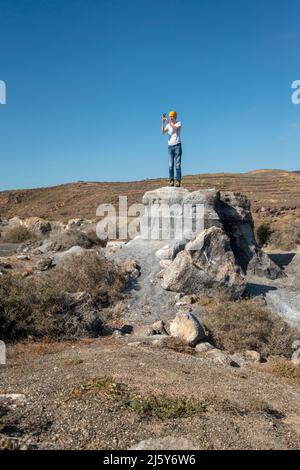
<point x="271" y="189"/>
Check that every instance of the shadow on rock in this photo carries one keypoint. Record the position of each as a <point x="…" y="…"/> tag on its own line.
<point x="282" y="259"/>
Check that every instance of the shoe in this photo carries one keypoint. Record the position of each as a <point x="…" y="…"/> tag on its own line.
<point x="178" y="184"/>
<point x="171" y="183"/>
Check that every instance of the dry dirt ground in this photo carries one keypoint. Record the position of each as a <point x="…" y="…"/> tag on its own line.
<point x="274" y="194"/>
<point x="237" y="408"/>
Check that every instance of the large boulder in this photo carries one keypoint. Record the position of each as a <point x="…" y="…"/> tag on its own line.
<point x="234" y="210"/>
<point x="187" y="328"/>
<point x="207" y="264"/>
<point x="179" y="215"/>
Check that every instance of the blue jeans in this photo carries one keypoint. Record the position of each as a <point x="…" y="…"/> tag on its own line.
<point x="175" y="152"/>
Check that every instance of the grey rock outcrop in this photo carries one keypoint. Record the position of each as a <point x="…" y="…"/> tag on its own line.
<point x="207" y="264"/>
<point x="234" y="211"/>
<point x="192" y="212"/>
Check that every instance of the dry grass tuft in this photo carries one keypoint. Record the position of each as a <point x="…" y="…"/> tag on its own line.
<point x="18" y="234"/>
<point x="286" y="237"/>
<point x="248" y="325"/>
<point x="282" y="367"/>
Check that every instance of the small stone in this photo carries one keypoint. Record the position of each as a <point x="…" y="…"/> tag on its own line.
<point x="159" y="327"/>
<point x="187" y="327"/>
<point x="204" y="347"/>
<point x="159" y="342"/>
<point x="117" y="333"/>
<point x="252" y="356"/>
<point x="164" y="253"/>
<point x="222" y="358"/>
<point x="44" y="264"/>
<point x="23" y="257"/>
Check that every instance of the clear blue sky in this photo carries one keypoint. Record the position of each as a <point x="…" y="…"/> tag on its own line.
<point x="87" y="82"/>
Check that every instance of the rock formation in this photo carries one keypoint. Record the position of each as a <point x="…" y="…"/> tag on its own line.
<point x="211" y="242"/>
<point x="206" y="264"/>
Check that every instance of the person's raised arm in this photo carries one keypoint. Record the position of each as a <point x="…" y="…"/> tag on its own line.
<point x="163" y="128"/>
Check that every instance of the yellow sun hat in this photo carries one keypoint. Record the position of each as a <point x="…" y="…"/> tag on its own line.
<point x="173" y="114"/>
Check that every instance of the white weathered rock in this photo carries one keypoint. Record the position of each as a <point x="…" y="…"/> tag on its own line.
<point x="296" y="354"/>
<point x="253" y="356"/>
<point x="115" y="243"/>
<point x="207" y="264"/>
<point x="14" y="221"/>
<point x="61" y="257"/>
<point x="204" y="347"/>
<point x="221" y="358"/>
<point x="165" y="263"/>
<point x="74" y="223"/>
<point x="164" y="253"/>
<point x="165" y="195"/>
<point x="187" y="328"/>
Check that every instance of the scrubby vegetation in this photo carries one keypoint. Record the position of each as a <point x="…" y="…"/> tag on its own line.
<point x="283" y="368"/>
<point x="161" y="406"/>
<point x="18" y="234"/>
<point x="286" y="237"/>
<point x="248" y="325"/>
<point x="263" y="233"/>
<point x="64" y="302"/>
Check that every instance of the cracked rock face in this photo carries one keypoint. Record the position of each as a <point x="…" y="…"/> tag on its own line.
<point x="214" y="255"/>
<point x="235" y="214"/>
<point x="207" y="264"/>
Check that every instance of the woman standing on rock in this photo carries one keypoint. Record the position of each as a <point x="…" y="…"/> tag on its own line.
<point x="173" y="128"/>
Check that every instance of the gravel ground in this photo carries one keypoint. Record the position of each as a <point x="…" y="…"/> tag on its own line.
<point x="247" y="407"/>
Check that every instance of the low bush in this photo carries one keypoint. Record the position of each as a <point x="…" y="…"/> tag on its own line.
<point x="248" y="324"/>
<point x="263" y="233"/>
<point x="284" y="368"/>
<point x="18" y="234"/>
<point x="286" y="237"/>
<point x="64" y="302"/>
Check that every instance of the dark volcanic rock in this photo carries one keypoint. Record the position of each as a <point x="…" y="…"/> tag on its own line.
<point x="234" y="210"/>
